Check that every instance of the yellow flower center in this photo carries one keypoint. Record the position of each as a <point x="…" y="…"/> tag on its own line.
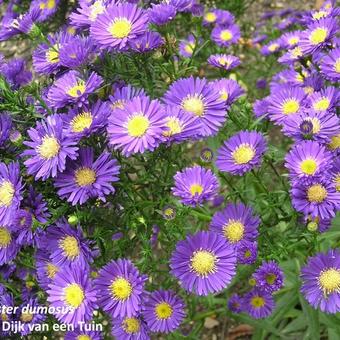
<point x="81" y="122"/>
<point x="335" y="142"/>
<point x="77" y="90"/>
<point x="257" y="301"/>
<point x="316" y="193"/>
<point x="74" y="295"/>
<point x="210" y="17"/>
<point x="49" y="147"/>
<point x="203" y="262"/>
<point x="337" y="182"/>
<point x="138" y="126"/>
<point x="163" y="310"/>
<point x="233" y="231"/>
<point x="247" y="254"/>
<point x="52" y="54"/>
<point x="95" y="9"/>
<point x="120" y="28"/>
<point x="293" y="41"/>
<point x="5" y="237"/>
<point x="224" y="95"/>
<point x="118" y="104"/>
<point x="196" y="189"/>
<point x="189" y="48"/>
<point x="308" y="90"/>
<point x="193" y="104"/>
<point x="297" y="52"/>
<point x="329" y="280"/>
<point x="316" y="124"/>
<point x="131" y="325"/>
<point x="174" y="126"/>
<point x="121" y="288"/>
<point x="51" y="270"/>
<point x="83" y="337"/>
<point x="224" y="61"/>
<point x="322" y="104"/>
<point x="26" y="317"/>
<point x="69" y="245"/>
<point x="168" y="212"/>
<point x="4" y="317"/>
<point x="308" y="166"/>
<point x="319" y="14"/>
<point x="226" y="35"/>
<point x="85" y="176"/>
<point x="50" y="4"/>
<point x="290" y="106"/>
<point x="271" y="278"/>
<point x="273" y="47"/>
<point x="243" y="154"/>
<point x="312" y="226"/>
<point x="6" y="193"/>
<point x="337" y="66"/>
<point x="318" y="36"/>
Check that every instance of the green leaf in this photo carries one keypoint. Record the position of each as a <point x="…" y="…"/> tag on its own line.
<point x="312" y="316"/>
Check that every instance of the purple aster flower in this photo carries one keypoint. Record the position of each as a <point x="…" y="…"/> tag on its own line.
<point x="118" y="25"/>
<point x="206" y="155"/>
<point x="160" y="14"/>
<point x="163" y="311"/>
<point x="46" y="269"/>
<point x="225" y="36"/>
<point x="36" y="205"/>
<point x="147" y="42"/>
<point x="321" y="281"/>
<point x="10" y="191"/>
<point x="241" y="152"/>
<point x="272" y="47"/>
<point x="154" y="235"/>
<point x="137" y="127"/>
<point x="81" y="122"/>
<point x="334" y="144"/>
<point x="8" y="246"/>
<point x="318" y="35"/>
<point x="261" y="83"/>
<point x="72" y="291"/>
<point x="228" y="89"/>
<point x="49" y="148"/>
<point x="269" y="277"/>
<point x="180" y="124"/>
<point x="87" y="13"/>
<point x="325" y="100"/>
<point x="247" y="252"/>
<point x="67" y="245"/>
<point x="308" y="159"/>
<point x="203" y="263"/>
<point x="130" y="328"/>
<point x="210" y="17"/>
<point x="181" y="5"/>
<point x="258" y="303"/>
<point x="169" y="212"/>
<point x="335" y="174"/>
<point x="124" y="94"/>
<point x="87" y="178"/>
<point x="195" y="185"/>
<point x="319" y="126"/>
<point x="120" y="287"/>
<point x="291" y="39"/>
<point x="47" y="8"/>
<point x="224" y="61"/>
<point x="28" y="317"/>
<point x="201" y="99"/>
<point x="224" y="18"/>
<point x="260" y="108"/>
<point x="290" y="57"/>
<point x="259" y="38"/>
<point x="316" y="197"/>
<point x="82" y="334"/>
<point x="235" y="304"/>
<point x="15" y="73"/>
<point x="236" y="222"/>
<point x="71" y="88"/>
<point x="5" y="128"/>
<point x="317" y="224"/>
<point x="285" y="101"/>
<point x="22" y="226"/>
<point x="6" y="299"/>
<point x="187" y="46"/>
<point x="330" y="65"/>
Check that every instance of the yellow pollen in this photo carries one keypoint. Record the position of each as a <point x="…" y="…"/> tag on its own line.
<point x="131" y="325"/>
<point x="174" y="126"/>
<point x="243" y="154"/>
<point x="51" y="270"/>
<point x="233" y="231"/>
<point x="138" y="126"/>
<point x="322" y="104"/>
<point x="308" y="166"/>
<point x="81" y="122"/>
<point x="316" y="124"/>
<point x="6" y="193"/>
<point x="85" y="176"/>
<point x="273" y="47"/>
<point x="270" y="278"/>
<point x="196" y="189"/>
<point x="69" y="245"/>
<point x="329" y="280"/>
<point x="77" y="90"/>
<point x="95" y="9"/>
<point x="194" y="104"/>
<point x="247" y="254"/>
<point x="118" y="104"/>
<point x="308" y="90"/>
<point x="210" y="17"/>
<point x="318" y="36"/>
<point x="335" y="142"/>
<point x="293" y="41"/>
<point x="168" y="212"/>
<point x="52" y="54"/>
<point x="320" y="14"/>
<point x="121" y="288"/>
<point x="312" y="226"/>
<point x="224" y="61"/>
<point x="5" y="237"/>
<point x="203" y="262"/>
<point x="290" y="106"/>
<point x="316" y="193"/>
<point x="300" y="78"/>
<point x="120" y="28"/>
<point x="226" y="35"/>
<point x="71" y="30"/>
<point x="83" y="337"/>
<point x="74" y="295"/>
<point x="257" y="301"/>
<point x="4" y="317"/>
<point x="189" y="48"/>
<point x="224" y="95"/>
<point x="49" y="147"/>
<point x="337" y="66"/>
<point x="26" y="317"/>
<point x="297" y="52"/>
<point x="49" y="5"/>
<point x="337" y="182"/>
<point x="163" y="310"/>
